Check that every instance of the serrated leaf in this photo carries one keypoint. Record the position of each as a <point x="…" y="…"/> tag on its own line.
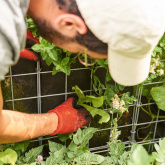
<point x="54" y="70"/>
<point x="89" y="158"/>
<point x="57" y="157"/>
<point x="124" y="158"/>
<point x="21" y="146"/>
<point x="9" y="156"/>
<point x="158" y="94"/>
<point x="55" y="54"/>
<point x="37" y="47"/>
<point x="51" y="55"/>
<point x="109" y="160"/>
<point x="68" y="70"/>
<point x="48" y="61"/>
<point x="65" y="61"/>
<point x="117" y="149"/>
<point x="53" y="146"/>
<point x="72" y="146"/>
<point x="83" y="136"/>
<point x="70" y="154"/>
<point x="50" y="160"/>
<point x="32" y="154"/>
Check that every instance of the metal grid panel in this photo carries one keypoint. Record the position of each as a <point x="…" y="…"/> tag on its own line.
<point x="97" y="149"/>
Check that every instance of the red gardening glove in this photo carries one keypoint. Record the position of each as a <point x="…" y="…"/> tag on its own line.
<point x="27" y="52"/>
<point x="30" y="36"/>
<point x="69" y="118"/>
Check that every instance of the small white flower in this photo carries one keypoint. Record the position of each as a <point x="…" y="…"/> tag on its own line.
<point x="122" y="103"/>
<point x="115" y="96"/>
<point x="39" y="159"/>
<point x="115" y="104"/>
<point x="152" y="69"/>
<point x="156" y="61"/>
<point x="160" y="72"/>
<point x="122" y="109"/>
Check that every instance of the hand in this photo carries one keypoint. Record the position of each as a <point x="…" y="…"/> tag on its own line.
<point x="69" y="118"/>
<point x="27" y="52"/>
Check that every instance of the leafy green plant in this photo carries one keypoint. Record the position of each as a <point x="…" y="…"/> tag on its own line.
<point x="78" y="152"/>
<point x="32" y="27"/>
<point x="154" y="92"/>
<point x="158" y="94"/>
<point x="106" y="99"/>
<point x="96" y="103"/>
<point x="53" y="55"/>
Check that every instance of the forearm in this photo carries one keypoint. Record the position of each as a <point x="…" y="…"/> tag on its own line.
<point x="1" y="99"/>
<point x="17" y="126"/>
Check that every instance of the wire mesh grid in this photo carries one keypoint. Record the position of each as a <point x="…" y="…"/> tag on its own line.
<point x="103" y="147"/>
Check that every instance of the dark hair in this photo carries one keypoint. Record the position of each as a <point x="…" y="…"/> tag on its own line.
<point x="89" y="40"/>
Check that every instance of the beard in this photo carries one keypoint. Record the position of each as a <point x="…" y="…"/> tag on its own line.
<point x="89" y="40"/>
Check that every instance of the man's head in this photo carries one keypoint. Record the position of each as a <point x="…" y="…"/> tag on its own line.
<point x="67" y="29"/>
<point x="130" y="28"/>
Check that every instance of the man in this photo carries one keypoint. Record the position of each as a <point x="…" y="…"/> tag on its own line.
<point x="126" y="30"/>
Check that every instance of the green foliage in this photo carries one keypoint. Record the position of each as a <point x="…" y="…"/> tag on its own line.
<point x="31" y="156"/>
<point x="158" y="94"/>
<point x="105" y="95"/>
<point x="89" y="158"/>
<point x="32" y="27"/>
<point x="9" y="156"/>
<point x="96" y="103"/>
<point x="53" y="55"/>
<point x="139" y="156"/>
<point x="82" y="136"/>
<point x="64" y="137"/>
<point x="78" y="153"/>
<point x="160" y="154"/>
<point x="103" y="63"/>
<point x="60" y="58"/>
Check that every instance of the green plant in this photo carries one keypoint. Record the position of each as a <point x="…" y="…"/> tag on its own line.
<point x="155" y="92"/>
<point x="78" y="152"/>
<point x="107" y="99"/>
<point x="96" y="103"/>
<point x="60" y="58"/>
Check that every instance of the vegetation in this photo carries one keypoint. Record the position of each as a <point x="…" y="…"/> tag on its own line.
<point x="107" y="99"/>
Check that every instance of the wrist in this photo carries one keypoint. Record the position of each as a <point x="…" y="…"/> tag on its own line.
<point x="53" y="125"/>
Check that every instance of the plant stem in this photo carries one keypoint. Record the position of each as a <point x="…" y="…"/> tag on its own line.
<point x="1" y="149"/>
<point x="145" y="111"/>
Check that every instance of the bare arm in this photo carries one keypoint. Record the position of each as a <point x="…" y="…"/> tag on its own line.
<point x="17" y="126"/>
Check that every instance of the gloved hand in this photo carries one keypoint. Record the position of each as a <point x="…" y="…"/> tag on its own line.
<point x="27" y="52"/>
<point x="69" y="118"/>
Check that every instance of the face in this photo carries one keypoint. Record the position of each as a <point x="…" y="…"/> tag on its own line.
<point x="45" y="21"/>
<point x="64" y="42"/>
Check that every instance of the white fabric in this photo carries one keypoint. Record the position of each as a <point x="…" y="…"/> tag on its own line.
<point x="131" y="28"/>
<point x="12" y="32"/>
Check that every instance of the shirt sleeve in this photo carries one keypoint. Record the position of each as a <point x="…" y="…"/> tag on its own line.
<point x="12" y="33"/>
<point x="5" y="56"/>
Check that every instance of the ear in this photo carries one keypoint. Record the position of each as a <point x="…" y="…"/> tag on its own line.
<point x="70" y="24"/>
